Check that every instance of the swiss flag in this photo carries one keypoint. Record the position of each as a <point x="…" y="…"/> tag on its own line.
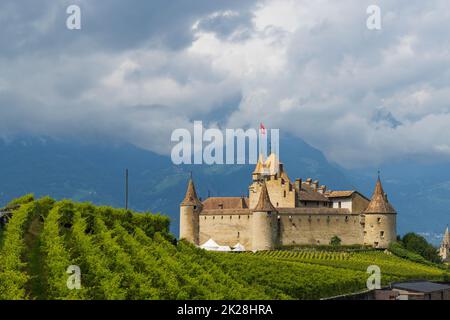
<point x="262" y="128"/>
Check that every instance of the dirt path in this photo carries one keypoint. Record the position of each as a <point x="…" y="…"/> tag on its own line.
<point x="36" y="285"/>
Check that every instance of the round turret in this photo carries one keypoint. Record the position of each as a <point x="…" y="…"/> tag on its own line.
<point x="190" y="209"/>
<point x="380" y="220"/>
<point x="264" y="223"/>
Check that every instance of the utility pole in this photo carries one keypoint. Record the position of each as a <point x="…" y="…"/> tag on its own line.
<point x="126" y="189"/>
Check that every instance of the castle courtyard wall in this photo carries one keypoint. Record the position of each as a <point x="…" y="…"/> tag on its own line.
<point x="318" y="229"/>
<point x="227" y="229"/>
<point x="296" y="229"/>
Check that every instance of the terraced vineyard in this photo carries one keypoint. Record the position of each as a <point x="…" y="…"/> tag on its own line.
<point x="124" y="255"/>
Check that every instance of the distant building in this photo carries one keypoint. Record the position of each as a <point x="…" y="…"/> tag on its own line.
<point x="420" y="290"/>
<point x="409" y="290"/>
<point x="444" y="250"/>
<point x="279" y="212"/>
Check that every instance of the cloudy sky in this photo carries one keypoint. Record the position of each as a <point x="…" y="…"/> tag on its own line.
<point x="139" y="69"/>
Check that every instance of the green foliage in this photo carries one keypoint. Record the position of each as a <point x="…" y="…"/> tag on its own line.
<point x="56" y="256"/>
<point x="399" y="250"/>
<point x="335" y="241"/>
<point x="125" y="255"/>
<point x="22" y="200"/>
<point x="416" y="243"/>
<point x="12" y="275"/>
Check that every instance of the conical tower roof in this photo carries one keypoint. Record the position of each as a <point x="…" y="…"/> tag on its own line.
<point x="260" y="165"/>
<point x="446" y="239"/>
<point x="191" y="198"/>
<point x="379" y="202"/>
<point x="264" y="204"/>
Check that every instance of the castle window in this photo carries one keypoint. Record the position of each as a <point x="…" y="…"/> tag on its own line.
<point x="248" y="217"/>
<point x="231" y="217"/>
<point x="239" y="217"/>
<point x="205" y="217"/>
<point x="346" y="218"/>
<point x="221" y="206"/>
<point x="285" y="194"/>
<point x="239" y="234"/>
<point x="195" y="207"/>
<point x="214" y="217"/>
<point x="382" y="234"/>
<point x="379" y="220"/>
<point x="318" y="203"/>
<point x="221" y="217"/>
<point x="340" y="205"/>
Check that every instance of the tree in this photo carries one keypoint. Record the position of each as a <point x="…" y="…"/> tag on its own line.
<point x="335" y="241"/>
<point x="416" y="243"/>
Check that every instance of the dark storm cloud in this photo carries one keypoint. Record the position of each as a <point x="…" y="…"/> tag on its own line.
<point x="40" y="26"/>
<point x="138" y="69"/>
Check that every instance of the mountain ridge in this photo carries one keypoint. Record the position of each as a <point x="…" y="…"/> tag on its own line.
<point x="94" y="172"/>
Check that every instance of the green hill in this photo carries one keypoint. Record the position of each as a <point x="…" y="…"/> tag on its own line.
<point x="125" y="255"/>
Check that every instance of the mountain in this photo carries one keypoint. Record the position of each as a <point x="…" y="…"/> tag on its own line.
<point x="95" y="172"/>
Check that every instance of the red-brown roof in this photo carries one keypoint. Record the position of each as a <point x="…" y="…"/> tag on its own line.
<point x="225" y="203"/>
<point x="191" y="198"/>
<point x="264" y="204"/>
<point x="379" y="202"/>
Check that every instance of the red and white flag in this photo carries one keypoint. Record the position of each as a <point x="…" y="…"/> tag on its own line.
<point x="262" y="128"/>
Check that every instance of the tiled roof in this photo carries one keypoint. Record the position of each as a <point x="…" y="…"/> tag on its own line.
<point x="305" y="195"/>
<point x="307" y="211"/>
<point x="379" y="202"/>
<point x="224" y="212"/>
<point x="264" y="204"/>
<point x="225" y="203"/>
<point x="191" y="198"/>
<point x="340" y="194"/>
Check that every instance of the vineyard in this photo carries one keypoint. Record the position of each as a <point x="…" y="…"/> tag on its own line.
<point x="125" y="255"/>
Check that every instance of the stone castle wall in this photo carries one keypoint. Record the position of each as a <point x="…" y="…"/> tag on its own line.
<point x="280" y="194"/>
<point x="319" y="229"/>
<point x="227" y="229"/>
<point x="380" y="230"/>
<point x="304" y="229"/>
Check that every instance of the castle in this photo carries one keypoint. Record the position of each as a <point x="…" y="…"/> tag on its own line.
<point x="444" y="250"/>
<point x="279" y="212"/>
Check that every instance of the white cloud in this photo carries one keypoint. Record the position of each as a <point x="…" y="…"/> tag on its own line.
<point x="311" y="68"/>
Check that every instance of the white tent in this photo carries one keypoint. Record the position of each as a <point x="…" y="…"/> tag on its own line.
<point x="239" y="247"/>
<point x="223" y="248"/>
<point x="210" y="245"/>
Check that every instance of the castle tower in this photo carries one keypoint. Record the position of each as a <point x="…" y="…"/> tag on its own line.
<point x="264" y="222"/>
<point x="380" y="220"/>
<point x="190" y="210"/>
<point x="444" y="250"/>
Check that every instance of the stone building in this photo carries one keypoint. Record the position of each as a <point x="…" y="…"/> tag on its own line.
<point x="279" y="212"/>
<point x="444" y="250"/>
